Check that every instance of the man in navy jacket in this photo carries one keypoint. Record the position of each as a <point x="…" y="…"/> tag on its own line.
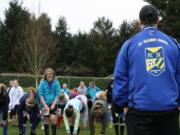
<point x="147" y="79"/>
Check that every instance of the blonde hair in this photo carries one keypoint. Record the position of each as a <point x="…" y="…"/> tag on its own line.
<point x="48" y="70"/>
<point x="102" y="95"/>
<point x="62" y="96"/>
<point x="30" y="101"/>
<point x="32" y="90"/>
<point x="2" y="86"/>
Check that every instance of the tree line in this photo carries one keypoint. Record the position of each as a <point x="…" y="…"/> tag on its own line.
<point x="28" y="43"/>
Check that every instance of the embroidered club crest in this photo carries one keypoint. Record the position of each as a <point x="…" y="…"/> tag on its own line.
<point x="155" y="63"/>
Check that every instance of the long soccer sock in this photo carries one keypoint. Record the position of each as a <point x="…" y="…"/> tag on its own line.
<point x="71" y="129"/>
<point x="122" y="125"/>
<point x="5" y="130"/>
<point x="33" y="131"/>
<point x="78" y="132"/>
<point x="20" y="132"/>
<point x="116" y="127"/>
<point x="46" y="129"/>
<point x="53" y="127"/>
<point x="24" y="129"/>
<point x="42" y="122"/>
<point x="59" y="121"/>
<point x="122" y="129"/>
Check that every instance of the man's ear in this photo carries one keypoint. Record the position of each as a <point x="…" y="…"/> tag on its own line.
<point x="141" y="24"/>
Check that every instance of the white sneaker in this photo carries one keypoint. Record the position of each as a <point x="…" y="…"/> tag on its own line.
<point x="42" y="127"/>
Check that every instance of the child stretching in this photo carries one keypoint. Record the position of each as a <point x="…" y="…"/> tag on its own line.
<point x="98" y="118"/>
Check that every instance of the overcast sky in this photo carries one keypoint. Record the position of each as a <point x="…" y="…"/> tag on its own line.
<point x="80" y="14"/>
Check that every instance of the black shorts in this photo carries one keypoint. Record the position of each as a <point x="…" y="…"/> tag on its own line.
<point x="14" y="110"/>
<point x="61" y="107"/>
<point x="3" y="114"/>
<point x="54" y="111"/>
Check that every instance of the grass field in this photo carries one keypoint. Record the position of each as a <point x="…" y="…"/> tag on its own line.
<point x="14" y="131"/>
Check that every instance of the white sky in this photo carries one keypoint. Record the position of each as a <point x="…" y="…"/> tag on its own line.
<point x="81" y="14"/>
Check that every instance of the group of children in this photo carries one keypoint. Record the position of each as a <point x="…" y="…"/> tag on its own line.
<point x="52" y="105"/>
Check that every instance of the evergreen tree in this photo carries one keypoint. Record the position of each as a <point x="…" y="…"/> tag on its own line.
<point x="103" y="37"/>
<point x="65" y="47"/>
<point x="170" y="16"/>
<point x="83" y="64"/>
<point x="126" y="30"/>
<point x="16" y="17"/>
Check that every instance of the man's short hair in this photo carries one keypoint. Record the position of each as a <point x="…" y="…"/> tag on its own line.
<point x="148" y="15"/>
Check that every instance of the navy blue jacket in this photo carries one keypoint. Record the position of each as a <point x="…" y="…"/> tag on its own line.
<point x="22" y="107"/>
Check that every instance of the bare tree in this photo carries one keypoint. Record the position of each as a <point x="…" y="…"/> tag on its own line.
<point x="36" y="46"/>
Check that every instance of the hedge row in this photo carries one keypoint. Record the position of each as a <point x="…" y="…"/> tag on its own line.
<point x="26" y="81"/>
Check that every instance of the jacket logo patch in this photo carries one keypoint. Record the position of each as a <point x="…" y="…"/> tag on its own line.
<point x="155" y="63"/>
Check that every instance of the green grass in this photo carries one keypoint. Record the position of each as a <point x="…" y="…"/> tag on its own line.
<point x="14" y="131"/>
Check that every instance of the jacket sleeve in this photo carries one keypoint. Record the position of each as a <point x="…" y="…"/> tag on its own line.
<point x="58" y="88"/>
<point x="98" y="89"/>
<point x="178" y="73"/>
<point x="120" y="89"/>
<point x="21" y="92"/>
<point x="76" y="122"/>
<point x="11" y="99"/>
<point x="66" y="122"/>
